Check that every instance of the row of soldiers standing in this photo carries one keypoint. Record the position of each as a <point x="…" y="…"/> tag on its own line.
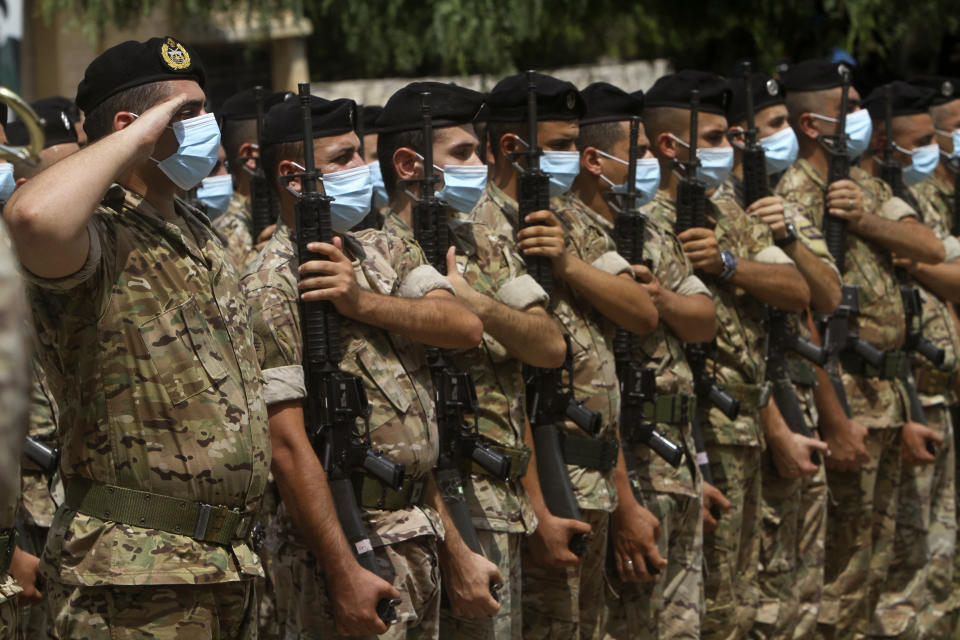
<point x="173" y="350"/>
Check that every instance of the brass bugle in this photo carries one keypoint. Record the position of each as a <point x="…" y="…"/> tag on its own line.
<point x="29" y="154"/>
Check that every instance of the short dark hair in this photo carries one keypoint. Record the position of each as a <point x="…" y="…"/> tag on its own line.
<point x="272" y="154"/>
<point x="99" y="121"/>
<point x="601" y="135"/>
<point x="235" y="133"/>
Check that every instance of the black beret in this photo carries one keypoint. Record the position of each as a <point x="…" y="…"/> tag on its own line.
<point x="131" y="64"/>
<point x="674" y="91"/>
<point x="813" y="75"/>
<point x="449" y="105"/>
<point x="368" y="116"/>
<point x="767" y="92"/>
<point x="57" y="126"/>
<point x="556" y="99"/>
<point x="283" y="123"/>
<point x="945" y="89"/>
<point x="906" y="100"/>
<point x="243" y="104"/>
<point x="607" y="103"/>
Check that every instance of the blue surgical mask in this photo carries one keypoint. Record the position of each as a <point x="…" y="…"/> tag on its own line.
<point x="923" y="162"/>
<point x="7" y="182"/>
<point x="647" y="179"/>
<point x="955" y="138"/>
<point x="380" y="198"/>
<point x="199" y="144"/>
<point x="563" y="167"/>
<point x="858" y="128"/>
<point x="463" y="185"/>
<point x="352" y="191"/>
<point x="780" y="150"/>
<point x="716" y="163"/>
<point x="215" y="193"/>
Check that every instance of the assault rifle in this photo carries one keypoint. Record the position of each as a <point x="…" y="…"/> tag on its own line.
<point x="455" y="393"/>
<point x="692" y="213"/>
<point x="892" y="173"/>
<point x="264" y="205"/>
<point x="336" y="401"/>
<point x="549" y="391"/>
<point x="779" y="335"/>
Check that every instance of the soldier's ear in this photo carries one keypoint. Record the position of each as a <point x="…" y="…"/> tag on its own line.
<point x="509" y="143"/>
<point x="590" y="161"/>
<point x="122" y="120"/>
<point x="289" y="167"/>
<point x="807" y="128"/>
<point x="248" y="150"/>
<point x="666" y="146"/>
<point x="406" y="163"/>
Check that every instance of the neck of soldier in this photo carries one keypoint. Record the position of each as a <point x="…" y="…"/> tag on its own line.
<point x="242" y="178"/>
<point x="668" y="179"/>
<point x="155" y="187"/>
<point x="587" y="187"/>
<point x="402" y="204"/>
<point x="505" y="176"/>
<point x="813" y="152"/>
<point x="868" y="162"/>
<point x="944" y="172"/>
<point x="737" y="163"/>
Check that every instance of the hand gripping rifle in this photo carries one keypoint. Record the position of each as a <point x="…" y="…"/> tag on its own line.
<point x="455" y="393"/>
<point x="638" y="386"/>
<point x="264" y="205"/>
<point x="779" y="336"/>
<point x="692" y="213"/>
<point x="336" y="401"/>
<point x="892" y="173"/>
<point x="549" y="391"/>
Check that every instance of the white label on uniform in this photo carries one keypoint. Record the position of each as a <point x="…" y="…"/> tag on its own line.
<point x="702" y="458"/>
<point x="363" y="546"/>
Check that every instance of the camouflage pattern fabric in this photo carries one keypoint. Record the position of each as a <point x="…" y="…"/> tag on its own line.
<point x="671" y="606"/>
<point x="412" y="567"/>
<point x="235" y="226"/>
<point x="594" y="375"/>
<point x="568" y="603"/>
<point x="9" y="615"/>
<point x="37" y="504"/>
<point x="503" y="549"/>
<point x="151" y="362"/>
<point x="113" y="612"/>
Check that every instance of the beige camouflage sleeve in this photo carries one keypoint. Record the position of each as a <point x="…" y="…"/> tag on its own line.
<point x="517" y="289"/>
<point x="276" y="326"/>
<point x="415" y="276"/>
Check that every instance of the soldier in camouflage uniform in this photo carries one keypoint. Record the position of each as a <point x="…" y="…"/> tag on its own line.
<point x="491" y="279"/>
<point x="744" y="270"/>
<point x="926" y="516"/>
<point x="864" y="498"/>
<point x="936" y="196"/>
<point x="238" y="122"/>
<point x="793" y="510"/>
<point x="564" y="598"/>
<point x="144" y="337"/>
<point x="393" y="301"/>
<point x="670" y="605"/>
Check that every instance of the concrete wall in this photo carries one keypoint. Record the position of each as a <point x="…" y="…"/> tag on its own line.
<point x="631" y="76"/>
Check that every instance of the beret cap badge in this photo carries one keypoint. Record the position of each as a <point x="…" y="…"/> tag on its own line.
<point x="174" y="55"/>
<point x="946" y="88"/>
<point x="772" y="87"/>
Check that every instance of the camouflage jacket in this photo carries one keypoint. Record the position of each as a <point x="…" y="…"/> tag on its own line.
<point x="150" y="358"/>
<point x="14" y="389"/>
<point x="594" y="376"/>
<point x="490" y="265"/>
<point x="939" y="194"/>
<point x="663" y="351"/>
<point x="937" y="324"/>
<point x="235" y="225"/>
<point x="739" y="362"/>
<point x="402" y="421"/>
<point x="875" y="402"/>
<point x="37" y="504"/>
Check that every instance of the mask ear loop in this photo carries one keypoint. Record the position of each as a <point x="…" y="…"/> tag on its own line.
<point x="731" y="135"/>
<point x="421" y="181"/>
<point x="285" y="180"/>
<point x="676" y="166"/>
<point x="513" y="155"/>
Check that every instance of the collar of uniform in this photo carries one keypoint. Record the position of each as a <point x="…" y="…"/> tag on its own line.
<point x="733" y="185"/>
<point x="584" y="208"/>
<point x="507" y="204"/>
<point x="394" y="218"/>
<point x="812" y="173"/>
<point x="945" y="187"/>
<point x="185" y="209"/>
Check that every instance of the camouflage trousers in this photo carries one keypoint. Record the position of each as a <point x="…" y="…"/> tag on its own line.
<point x="861" y="518"/>
<point x="568" y="603"/>
<point x="670" y="607"/>
<point x="503" y="549"/>
<point x="731" y="552"/>
<point x="223" y="611"/>
<point x="9" y="619"/>
<point x="940" y="602"/>
<point x="35" y="618"/>
<point x="792" y="539"/>
<point x="265" y="592"/>
<point x="303" y="601"/>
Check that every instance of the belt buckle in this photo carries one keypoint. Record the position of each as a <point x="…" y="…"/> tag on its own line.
<point x="203" y="519"/>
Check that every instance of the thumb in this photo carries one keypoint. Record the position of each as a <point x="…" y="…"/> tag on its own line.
<point x="338" y="242"/>
<point x="933" y="435"/>
<point x="452" y="260"/>
<point x="819" y="445"/>
<point x="579" y="526"/>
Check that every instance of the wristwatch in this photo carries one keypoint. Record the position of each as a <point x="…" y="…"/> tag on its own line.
<point x="729" y="264"/>
<point x="790" y="238"/>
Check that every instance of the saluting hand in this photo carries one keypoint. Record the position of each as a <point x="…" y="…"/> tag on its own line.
<point x="150" y="125"/>
<point x="545" y="238"/>
<point x="702" y="249"/>
<point x="332" y="279"/>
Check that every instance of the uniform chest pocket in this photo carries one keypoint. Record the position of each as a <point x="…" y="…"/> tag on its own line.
<point x="380" y="373"/>
<point x="183" y="351"/>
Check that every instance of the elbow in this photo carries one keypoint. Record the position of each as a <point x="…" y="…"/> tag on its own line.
<point x="936" y="252"/>
<point x="827" y="301"/>
<point x="798" y="297"/>
<point x="554" y="352"/>
<point x="470" y="331"/>
<point x="645" y="320"/>
<point x="22" y="218"/>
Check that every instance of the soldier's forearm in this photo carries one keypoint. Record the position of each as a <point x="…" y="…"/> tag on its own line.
<point x="691" y="318"/>
<point x="943" y="279"/>
<point x="619" y="298"/>
<point x="531" y="336"/>
<point x="779" y="285"/>
<point x="820" y="277"/>
<point x="907" y="238"/>
<point x="436" y="319"/>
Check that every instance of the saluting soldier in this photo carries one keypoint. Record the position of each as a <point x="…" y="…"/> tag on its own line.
<point x="145" y="340"/>
<point x="860" y="519"/>
<point x="744" y="270"/>
<point x="390" y="301"/>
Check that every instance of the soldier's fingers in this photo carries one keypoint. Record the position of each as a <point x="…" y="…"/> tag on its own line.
<point x="266" y="234"/>
<point x="578" y="526"/>
<point x="936" y="437"/>
<point x="452" y="260"/>
<point x="695" y="233"/>
<point x="640" y="568"/>
<point x="709" y="522"/>
<point x="330" y="250"/>
<point x="318" y="282"/>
